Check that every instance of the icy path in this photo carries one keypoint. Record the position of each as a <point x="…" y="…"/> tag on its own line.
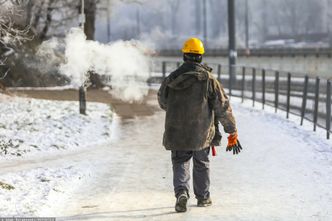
<point x="284" y="173"/>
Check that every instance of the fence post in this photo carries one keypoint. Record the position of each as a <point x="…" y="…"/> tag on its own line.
<point x="304" y="98"/>
<point x="288" y="94"/>
<point x="328" y="109"/>
<point x="219" y="72"/>
<point x="316" y="102"/>
<point x="253" y="86"/>
<point x="263" y="87"/>
<point x="243" y="82"/>
<point x="276" y="91"/>
<point x="164" y="68"/>
<point x="82" y="99"/>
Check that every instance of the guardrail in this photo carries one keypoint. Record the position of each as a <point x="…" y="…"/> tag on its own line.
<point x="305" y="96"/>
<point x="260" y="52"/>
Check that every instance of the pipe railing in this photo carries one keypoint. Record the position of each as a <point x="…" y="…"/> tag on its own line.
<point x="304" y="96"/>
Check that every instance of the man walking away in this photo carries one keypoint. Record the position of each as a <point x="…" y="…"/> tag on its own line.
<point x="194" y="102"/>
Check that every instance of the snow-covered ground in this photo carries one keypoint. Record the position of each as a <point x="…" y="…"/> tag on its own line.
<point x="283" y="173"/>
<point x="32" y="134"/>
<point x="28" y="126"/>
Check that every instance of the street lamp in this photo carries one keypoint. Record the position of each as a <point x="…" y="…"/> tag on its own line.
<point x="232" y="53"/>
<point x="247" y="27"/>
<point x="82" y="88"/>
<point x="204" y="24"/>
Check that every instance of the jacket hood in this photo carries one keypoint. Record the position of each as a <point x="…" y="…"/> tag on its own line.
<point x="191" y="72"/>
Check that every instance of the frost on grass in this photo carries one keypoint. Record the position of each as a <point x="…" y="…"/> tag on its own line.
<point x="30" y="190"/>
<point x="30" y="125"/>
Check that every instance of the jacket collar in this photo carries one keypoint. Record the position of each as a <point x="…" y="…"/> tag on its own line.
<point x="197" y="66"/>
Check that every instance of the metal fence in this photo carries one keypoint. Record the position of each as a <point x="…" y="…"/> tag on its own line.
<point x="307" y="97"/>
<point x="280" y="52"/>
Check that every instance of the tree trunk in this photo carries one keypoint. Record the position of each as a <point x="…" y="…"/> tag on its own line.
<point x="48" y="21"/>
<point x="90" y="17"/>
<point x="29" y="7"/>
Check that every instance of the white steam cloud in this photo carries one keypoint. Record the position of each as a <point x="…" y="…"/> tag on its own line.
<point x="123" y="62"/>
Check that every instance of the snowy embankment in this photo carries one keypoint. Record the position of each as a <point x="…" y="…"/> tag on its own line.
<point x="33" y="134"/>
<point x="28" y="126"/>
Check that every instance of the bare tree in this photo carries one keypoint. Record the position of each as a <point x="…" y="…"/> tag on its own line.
<point x="51" y="17"/>
<point x="11" y="33"/>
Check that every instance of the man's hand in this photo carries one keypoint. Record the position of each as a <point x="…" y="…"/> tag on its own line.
<point x="233" y="143"/>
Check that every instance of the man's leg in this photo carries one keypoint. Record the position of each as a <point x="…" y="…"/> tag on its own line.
<point x="181" y="171"/>
<point x="201" y="174"/>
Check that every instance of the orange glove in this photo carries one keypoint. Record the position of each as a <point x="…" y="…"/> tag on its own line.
<point x="233" y="143"/>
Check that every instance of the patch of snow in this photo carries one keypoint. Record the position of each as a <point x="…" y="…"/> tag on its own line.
<point x="31" y="125"/>
<point x="35" y="188"/>
<point x="57" y="88"/>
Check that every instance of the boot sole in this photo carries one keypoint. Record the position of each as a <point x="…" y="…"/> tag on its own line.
<point x="181" y="206"/>
<point x="204" y="205"/>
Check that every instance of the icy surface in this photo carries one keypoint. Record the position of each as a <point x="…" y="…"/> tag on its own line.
<point x="283" y="173"/>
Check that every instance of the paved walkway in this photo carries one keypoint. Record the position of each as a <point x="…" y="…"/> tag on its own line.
<point x="284" y="173"/>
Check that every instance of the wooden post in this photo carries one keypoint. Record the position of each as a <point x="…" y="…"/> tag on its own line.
<point x="304" y="98"/>
<point x="288" y="94"/>
<point x="263" y="88"/>
<point x="276" y="91"/>
<point x="328" y="109"/>
<point x="316" y="102"/>
<point x="253" y="86"/>
<point x="82" y="100"/>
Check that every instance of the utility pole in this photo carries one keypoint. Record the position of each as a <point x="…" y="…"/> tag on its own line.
<point x="82" y="89"/>
<point x="198" y="11"/>
<point x="232" y="54"/>
<point x="109" y="21"/>
<point x="329" y="18"/>
<point x="247" y="27"/>
<point x="264" y="17"/>
<point x="204" y="24"/>
<point x="138" y="22"/>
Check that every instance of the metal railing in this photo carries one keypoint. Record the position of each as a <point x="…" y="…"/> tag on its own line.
<point x="301" y="95"/>
<point x="260" y="52"/>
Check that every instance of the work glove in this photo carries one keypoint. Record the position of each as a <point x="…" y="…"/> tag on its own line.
<point x="233" y="143"/>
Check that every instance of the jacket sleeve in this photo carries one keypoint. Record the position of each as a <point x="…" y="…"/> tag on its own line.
<point x="219" y="102"/>
<point x="162" y="94"/>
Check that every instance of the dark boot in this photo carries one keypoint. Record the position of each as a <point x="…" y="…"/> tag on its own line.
<point x="181" y="202"/>
<point x="204" y="202"/>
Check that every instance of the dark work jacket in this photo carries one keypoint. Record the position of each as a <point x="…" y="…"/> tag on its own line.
<point x="193" y="99"/>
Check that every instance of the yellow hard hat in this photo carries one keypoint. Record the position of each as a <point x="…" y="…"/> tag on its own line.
<point x="193" y="45"/>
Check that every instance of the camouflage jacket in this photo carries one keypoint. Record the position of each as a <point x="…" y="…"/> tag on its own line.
<point x="193" y="99"/>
